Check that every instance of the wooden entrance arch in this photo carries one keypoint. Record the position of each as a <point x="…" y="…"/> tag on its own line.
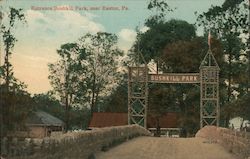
<point x="208" y="78"/>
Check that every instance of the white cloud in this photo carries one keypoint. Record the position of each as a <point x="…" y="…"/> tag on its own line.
<point x="126" y="39"/>
<point x="127" y="35"/>
<point x="41" y="37"/>
<point x="60" y="25"/>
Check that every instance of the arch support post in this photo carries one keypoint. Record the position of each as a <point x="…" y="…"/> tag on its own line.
<point x="209" y="91"/>
<point x="137" y="95"/>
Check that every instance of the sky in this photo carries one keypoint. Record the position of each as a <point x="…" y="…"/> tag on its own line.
<point x="51" y="23"/>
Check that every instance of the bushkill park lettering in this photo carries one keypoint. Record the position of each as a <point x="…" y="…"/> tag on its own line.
<point x="174" y="78"/>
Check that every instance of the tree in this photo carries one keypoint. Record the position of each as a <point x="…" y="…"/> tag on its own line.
<point x="102" y="63"/>
<point x="66" y="77"/>
<point x="243" y="107"/>
<point x="229" y="22"/>
<point x="161" y="8"/>
<point x="117" y="101"/>
<point x="85" y="71"/>
<point x="152" y="42"/>
<point x="186" y="56"/>
<point x="9" y="40"/>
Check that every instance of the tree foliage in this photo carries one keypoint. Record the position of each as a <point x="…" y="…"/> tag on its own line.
<point x="66" y="77"/>
<point x="230" y="18"/>
<point x="9" y="40"/>
<point x="229" y="23"/>
<point x="152" y="42"/>
<point x="161" y="9"/>
<point x="117" y="101"/>
<point x="102" y="63"/>
<point x="185" y="56"/>
<point x="86" y="71"/>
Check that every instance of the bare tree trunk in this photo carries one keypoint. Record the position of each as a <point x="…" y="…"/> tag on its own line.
<point x="7" y="105"/>
<point x="229" y="78"/>
<point x="248" y="79"/>
<point x="229" y="93"/>
<point x="6" y="61"/>
<point x="93" y="95"/>
<point x="66" y="101"/>
<point x="248" y="51"/>
<point x="97" y="96"/>
<point x="66" y="113"/>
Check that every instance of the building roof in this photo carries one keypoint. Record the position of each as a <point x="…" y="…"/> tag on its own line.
<point x="43" y="118"/>
<point x="107" y="119"/>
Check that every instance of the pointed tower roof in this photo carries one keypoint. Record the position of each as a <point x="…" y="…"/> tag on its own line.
<point x="209" y="61"/>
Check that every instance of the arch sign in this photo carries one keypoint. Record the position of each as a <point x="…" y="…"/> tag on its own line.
<point x="175" y="78"/>
<point x="208" y="78"/>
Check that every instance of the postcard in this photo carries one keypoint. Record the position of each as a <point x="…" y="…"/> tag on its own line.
<point x="135" y="79"/>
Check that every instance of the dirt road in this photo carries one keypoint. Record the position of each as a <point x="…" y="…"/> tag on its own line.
<point x="166" y="148"/>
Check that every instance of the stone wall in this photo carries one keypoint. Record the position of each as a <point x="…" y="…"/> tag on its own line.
<point x="234" y="141"/>
<point x="74" y="145"/>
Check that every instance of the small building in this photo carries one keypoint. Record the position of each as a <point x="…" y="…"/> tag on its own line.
<point x="107" y="119"/>
<point x="168" y="122"/>
<point x="41" y="124"/>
